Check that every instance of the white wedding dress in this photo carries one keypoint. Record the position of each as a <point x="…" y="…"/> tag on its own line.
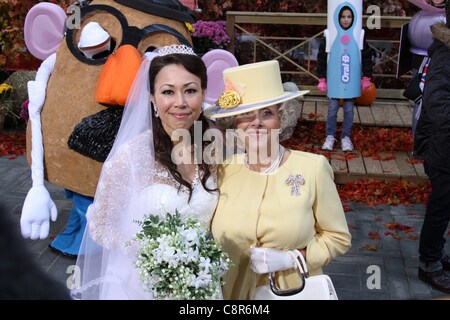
<point x="112" y="219"/>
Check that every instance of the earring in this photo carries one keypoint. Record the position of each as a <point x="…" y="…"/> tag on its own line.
<point x="156" y="113"/>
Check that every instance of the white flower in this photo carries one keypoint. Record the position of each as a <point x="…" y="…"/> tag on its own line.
<point x="177" y="260"/>
<point x="190" y="237"/>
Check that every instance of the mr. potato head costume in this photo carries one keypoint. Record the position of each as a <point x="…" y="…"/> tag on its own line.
<point x="73" y="90"/>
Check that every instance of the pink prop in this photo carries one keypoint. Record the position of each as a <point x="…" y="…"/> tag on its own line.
<point x="44" y="29"/>
<point x="422" y="4"/>
<point x="216" y="61"/>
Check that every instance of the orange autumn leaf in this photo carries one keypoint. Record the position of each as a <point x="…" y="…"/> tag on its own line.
<point x="347" y="208"/>
<point x="311" y="115"/>
<point x="371" y="142"/>
<point x="12" y="145"/>
<point x="399" y="227"/>
<point x="374" y="235"/>
<point x="414" y="160"/>
<point x="410" y="236"/>
<point x="393" y="235"/>
<point x="370" y="247"/>
<point x="392" y="192"/>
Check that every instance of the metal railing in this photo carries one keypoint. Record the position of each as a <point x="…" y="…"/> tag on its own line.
<point x="244" y="23"/>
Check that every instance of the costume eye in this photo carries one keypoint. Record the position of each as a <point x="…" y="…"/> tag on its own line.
<point x="100" y="34"/>
<point x="150" y="49"/>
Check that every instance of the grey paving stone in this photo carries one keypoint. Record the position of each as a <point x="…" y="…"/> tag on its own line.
<point x="397" y="259"/>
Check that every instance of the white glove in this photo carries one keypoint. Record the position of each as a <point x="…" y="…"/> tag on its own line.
<point x="36" y="212"/>
<point x="265" y="260"/>
<point x="38" y="206"/>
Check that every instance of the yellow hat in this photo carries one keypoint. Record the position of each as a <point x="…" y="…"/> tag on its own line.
<point x="251" y="87"/>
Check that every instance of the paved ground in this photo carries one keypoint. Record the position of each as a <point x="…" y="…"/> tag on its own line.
<point x="390" y="271"/>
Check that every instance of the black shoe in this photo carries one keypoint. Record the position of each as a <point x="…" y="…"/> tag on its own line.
<point x="68" y="255"/>
<point x="64" y="254"/>
<point x="446" y="263"/>
<point x="437" y="279"/>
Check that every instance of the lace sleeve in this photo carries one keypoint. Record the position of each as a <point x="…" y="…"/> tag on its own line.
<point x="109" y="202"/>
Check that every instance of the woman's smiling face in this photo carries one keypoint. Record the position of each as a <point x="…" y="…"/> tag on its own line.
<point x="178" y="98"/>
<point x="260" y="126"/>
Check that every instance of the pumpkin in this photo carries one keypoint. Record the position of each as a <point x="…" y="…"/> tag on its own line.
<point x="368" y="96"/>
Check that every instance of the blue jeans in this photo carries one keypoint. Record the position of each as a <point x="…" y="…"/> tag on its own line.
<point x="333" y="108"/>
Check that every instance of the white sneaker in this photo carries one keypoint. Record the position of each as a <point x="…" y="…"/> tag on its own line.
<point x="347" y="144"/>
<point x="329" y="143"/>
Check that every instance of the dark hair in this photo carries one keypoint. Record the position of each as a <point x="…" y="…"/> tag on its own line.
<point x="340" y="14"/>
<point x="162" y="141"/>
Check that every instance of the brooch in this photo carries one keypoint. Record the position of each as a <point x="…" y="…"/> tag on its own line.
<point x="295" y="181"/>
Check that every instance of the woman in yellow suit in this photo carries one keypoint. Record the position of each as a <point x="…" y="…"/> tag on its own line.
<point x="273" y="201"/>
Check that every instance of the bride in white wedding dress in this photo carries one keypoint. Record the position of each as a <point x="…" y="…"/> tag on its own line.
<point x="140" y="177"/>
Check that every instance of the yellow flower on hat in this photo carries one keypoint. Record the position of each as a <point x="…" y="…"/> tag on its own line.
<point x="231" y="97"/>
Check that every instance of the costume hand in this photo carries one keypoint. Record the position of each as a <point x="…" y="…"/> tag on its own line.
<point x="265" y="260"/>
<point x="322" y="85"/>
<point x="36" y="212"/>
<point x="365" y="83"/>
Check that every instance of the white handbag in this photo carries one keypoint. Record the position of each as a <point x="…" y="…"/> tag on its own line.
<point x="318" y="287"/>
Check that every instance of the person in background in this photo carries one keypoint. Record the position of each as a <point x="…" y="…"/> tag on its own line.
<point x="432" y="144"/>
<point x="273" y="201"/>
<point x="420" y="38"/>
<point x="345" y="21"/>
<point x="21" y="277"/>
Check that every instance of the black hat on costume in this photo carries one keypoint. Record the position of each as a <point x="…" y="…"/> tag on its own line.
<point x="170" y="9"/>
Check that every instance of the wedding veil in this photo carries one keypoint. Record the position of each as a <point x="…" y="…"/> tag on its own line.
<point x="104" y="257"/>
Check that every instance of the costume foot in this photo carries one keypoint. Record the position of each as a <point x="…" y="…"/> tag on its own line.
<point x="64" y="254"/>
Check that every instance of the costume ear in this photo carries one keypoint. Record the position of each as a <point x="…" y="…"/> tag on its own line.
<point x="44" y="29"/>
<point x="216" y="61"/>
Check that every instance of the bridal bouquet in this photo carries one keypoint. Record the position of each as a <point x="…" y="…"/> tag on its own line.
<point x="177" y="260"/>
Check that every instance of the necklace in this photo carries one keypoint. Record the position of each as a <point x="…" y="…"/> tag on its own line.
<point x="275" y="164"/>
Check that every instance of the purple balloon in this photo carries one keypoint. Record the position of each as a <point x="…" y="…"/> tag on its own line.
<point x="419" y="31"/>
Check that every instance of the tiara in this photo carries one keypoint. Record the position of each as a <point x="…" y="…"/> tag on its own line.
<point x="175" y="48"/>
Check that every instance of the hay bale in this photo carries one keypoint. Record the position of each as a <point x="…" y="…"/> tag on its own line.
<point x="18" y="80"/>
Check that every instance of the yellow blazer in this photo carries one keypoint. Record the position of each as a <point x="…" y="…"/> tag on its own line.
<point x="260" y="210"/>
